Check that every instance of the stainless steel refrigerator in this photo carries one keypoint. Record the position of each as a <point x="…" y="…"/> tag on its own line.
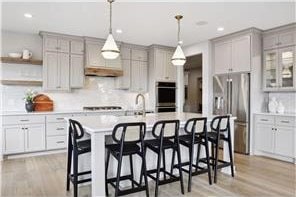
<point x="232" y="96"/>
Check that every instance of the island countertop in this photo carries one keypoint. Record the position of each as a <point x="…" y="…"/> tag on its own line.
<point x="105" y="123"/>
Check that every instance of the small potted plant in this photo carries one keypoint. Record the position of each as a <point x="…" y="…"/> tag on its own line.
<point x="29" y="96"/>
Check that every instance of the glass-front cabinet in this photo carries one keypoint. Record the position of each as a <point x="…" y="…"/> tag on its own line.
<point x="279" y="69"/>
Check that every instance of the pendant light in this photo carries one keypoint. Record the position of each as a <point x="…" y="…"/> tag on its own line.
<point x="178" y="58"/>
<point x="110" y="49"/>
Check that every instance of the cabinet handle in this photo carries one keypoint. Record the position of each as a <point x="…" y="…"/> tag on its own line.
<point x="60" y="118"/>
<point x="60" y="142"/>
<point x="25" y="120"/>
<point x="59" y="129"/>
<point x="275" y="129"/>
<point x="279" y="43"/>
<point x="58" y="87"/>
<point x="285" y="121"/>
<point x="265" y="120"/>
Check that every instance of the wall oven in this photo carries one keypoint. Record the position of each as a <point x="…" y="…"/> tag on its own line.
<point x="165" y="97"/>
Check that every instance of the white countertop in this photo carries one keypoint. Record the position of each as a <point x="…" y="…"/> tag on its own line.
<point x="107" y="122"/>
<point x="17" y="113"/>
<point x="276" y="114"/>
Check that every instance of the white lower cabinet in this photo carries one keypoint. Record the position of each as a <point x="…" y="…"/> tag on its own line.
<point x="24" y="138"/>
<point x="275" y="136"/>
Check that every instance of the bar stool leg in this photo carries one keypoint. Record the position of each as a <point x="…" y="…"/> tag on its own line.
<point x="106" y="172"/>
<point x="75" y="173"/>
<point x="173" y="161"/>
<point x="132" y="170"/>
<point x="208" y="162"/>
<point x="230" y="156"/>
<point x="158" y="170"/>
<point x="69" y="158"/>
<point x="213" y="155"/>
<point x="163" y="163"/>
<point x="180" y="167"/>
<point x="190" y="166"/>
<point x="144" y="168"/>
<point x="216" y="161"/>
<point x="118" y="175"/>
<point x="197" y="157"/>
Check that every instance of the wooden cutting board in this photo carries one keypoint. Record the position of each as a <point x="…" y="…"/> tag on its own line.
<point x="43" y="103"/>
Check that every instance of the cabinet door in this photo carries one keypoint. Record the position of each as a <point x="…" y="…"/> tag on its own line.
<point x="270" y="42"/>
<point x="284" y="141"/>
<point x="286" y="39"/>
<point x="64" y="71"/>
<point x="63" y="46"/>
<point x="222" y="58"/>
<point x="171" y="70"/>
<point x="76" y="71"/>
<point x="34" y="137"/>
<point x="241" y="54"/>
<point x="125" y="53"/>
<point x="265" y="138"/>
<point x="50" y="43"/>
<point x="286" y="68"/>
<point x="140" y="55"/>
<point x="160" y="64"/>
<point x="123" y="82"/>
<point x="94" y="57"/>
<point x="270" y="70"/>
<point x="139" y="71"/>
<point x="13" y="139"/>
<point x="114" y="64"/>
<point x="77" y="47"/>
<point x="51" y="71"/>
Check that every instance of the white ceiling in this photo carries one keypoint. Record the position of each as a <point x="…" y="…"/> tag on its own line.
<point x="143" y="22"/>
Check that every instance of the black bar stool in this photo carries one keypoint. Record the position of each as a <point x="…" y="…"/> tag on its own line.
<point x="127" y="136"/>
<point x="196" y="133"/>
<point x="78" y="147"/>
<point x="166" y="134"/>
<point x="220" y="131"/>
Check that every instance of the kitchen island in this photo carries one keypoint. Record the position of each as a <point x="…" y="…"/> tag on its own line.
<point x="101" y="126"/>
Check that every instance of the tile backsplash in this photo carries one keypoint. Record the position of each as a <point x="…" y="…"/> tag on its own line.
<point x="287" y="98"/>
<point x="98" y="91"/>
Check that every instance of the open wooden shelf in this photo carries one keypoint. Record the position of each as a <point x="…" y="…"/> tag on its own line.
<point x="21" y="82"/>
<point x="20" y="61"/>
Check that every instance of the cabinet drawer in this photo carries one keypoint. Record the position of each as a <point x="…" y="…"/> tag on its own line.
<point x="57" y="118"/>
<point x="59" y="128"/>
<point x="140" y="55"/>
<point x="285" y="121"/>
<point x="56" y="142"/>
<point x="9" y="120"/>
<point x="265" y="119"/>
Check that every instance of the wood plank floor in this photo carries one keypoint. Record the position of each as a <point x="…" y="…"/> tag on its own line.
<point x="44" y="176"/>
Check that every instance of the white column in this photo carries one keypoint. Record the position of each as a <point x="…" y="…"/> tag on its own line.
<point x="180" y="88"/>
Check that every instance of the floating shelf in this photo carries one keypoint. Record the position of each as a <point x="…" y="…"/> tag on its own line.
<point x="21" y="82"/>
<point x="20" y="61"/>
<point x="102" y="72"/>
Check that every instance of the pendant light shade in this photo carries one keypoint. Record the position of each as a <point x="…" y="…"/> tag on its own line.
<point x="178" y="58"/>
<point x="110" y="49"/>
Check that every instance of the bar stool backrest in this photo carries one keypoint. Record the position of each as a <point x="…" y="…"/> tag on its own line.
<point x="129" y="132"/>
<point x="166" y="129"/>
<point x="76" y="132"/>
<point x="196" y="126"/>
<point x="220" y="124"/>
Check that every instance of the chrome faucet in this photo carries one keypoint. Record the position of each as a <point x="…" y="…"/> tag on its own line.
<point x="143" y="99"/>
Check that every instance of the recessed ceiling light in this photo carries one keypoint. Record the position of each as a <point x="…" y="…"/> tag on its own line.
<point x="201" y="23"/>
<point x="119" y="31"/>
<point x="28" y="15"/>
<point x="220" y="29"/>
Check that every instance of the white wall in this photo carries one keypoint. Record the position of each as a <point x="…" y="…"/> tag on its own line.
<point x="204" y="48"/>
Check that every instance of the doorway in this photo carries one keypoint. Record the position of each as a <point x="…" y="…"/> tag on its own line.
<point x="193" y="84"/>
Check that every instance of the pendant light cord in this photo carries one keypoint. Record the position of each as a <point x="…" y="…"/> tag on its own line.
<point x="178" y="31"/>
<point x="110" y="27"/>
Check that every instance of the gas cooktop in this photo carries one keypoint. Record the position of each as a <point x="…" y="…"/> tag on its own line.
<point x="98" y="108"/>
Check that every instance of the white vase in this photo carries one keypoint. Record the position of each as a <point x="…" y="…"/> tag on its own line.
<point x="280" y="108"/>
<point x="272" y="105"/>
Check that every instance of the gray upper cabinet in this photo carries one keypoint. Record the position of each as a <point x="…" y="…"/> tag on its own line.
<point x="232" y="54"/>
<point x="63" y="65"/>
<point x="279" y="59"/>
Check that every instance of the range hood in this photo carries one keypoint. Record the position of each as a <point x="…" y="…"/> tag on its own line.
<point x="102" y="72"/>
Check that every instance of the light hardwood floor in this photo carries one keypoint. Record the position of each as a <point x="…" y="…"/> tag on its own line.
<point x="256" y="176"/>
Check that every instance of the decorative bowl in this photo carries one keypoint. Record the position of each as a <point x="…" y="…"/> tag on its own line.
<point x="15" y="55"/>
